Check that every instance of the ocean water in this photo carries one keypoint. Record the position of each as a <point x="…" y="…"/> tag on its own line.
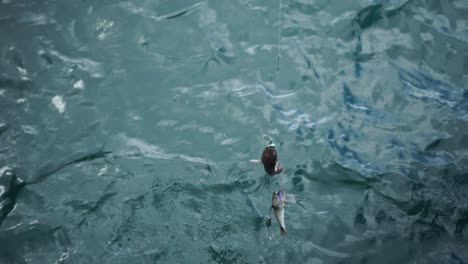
<point x="127" y="130"/>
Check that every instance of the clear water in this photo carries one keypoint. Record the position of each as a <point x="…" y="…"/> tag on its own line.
<point x="126" y="130"/>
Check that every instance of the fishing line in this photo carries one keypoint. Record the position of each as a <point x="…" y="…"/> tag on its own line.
<point x="268" y="221"/>
<point x="279" y="37"/>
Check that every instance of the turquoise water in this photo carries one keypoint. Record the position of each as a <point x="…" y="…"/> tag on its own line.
<point x="127" y="130"/>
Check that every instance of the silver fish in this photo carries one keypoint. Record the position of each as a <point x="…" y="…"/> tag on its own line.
<point x="277" y="204"/>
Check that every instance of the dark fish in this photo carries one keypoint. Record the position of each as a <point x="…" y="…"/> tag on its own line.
<point x="270" y="160"/>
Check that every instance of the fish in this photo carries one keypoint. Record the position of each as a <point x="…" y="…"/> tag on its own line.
<point x="277" y="205"/>
<point x="270" y="160"/>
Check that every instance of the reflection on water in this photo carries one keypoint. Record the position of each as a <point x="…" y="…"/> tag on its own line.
<point x="127" y="130"/>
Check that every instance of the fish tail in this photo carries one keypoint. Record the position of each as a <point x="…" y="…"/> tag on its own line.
<point x="269" y="141"/>
<point x="283" y="231"/>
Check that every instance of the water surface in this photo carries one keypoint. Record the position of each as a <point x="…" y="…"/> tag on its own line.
<point x="126" y="130"/>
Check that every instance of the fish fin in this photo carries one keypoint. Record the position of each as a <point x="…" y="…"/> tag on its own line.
<point x="283" y="231"/>
<point x="278" y="168"/>
<point x="290" y="198"/>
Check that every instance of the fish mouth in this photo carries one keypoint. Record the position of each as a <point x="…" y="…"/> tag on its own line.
<point x="279" y="195"/>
